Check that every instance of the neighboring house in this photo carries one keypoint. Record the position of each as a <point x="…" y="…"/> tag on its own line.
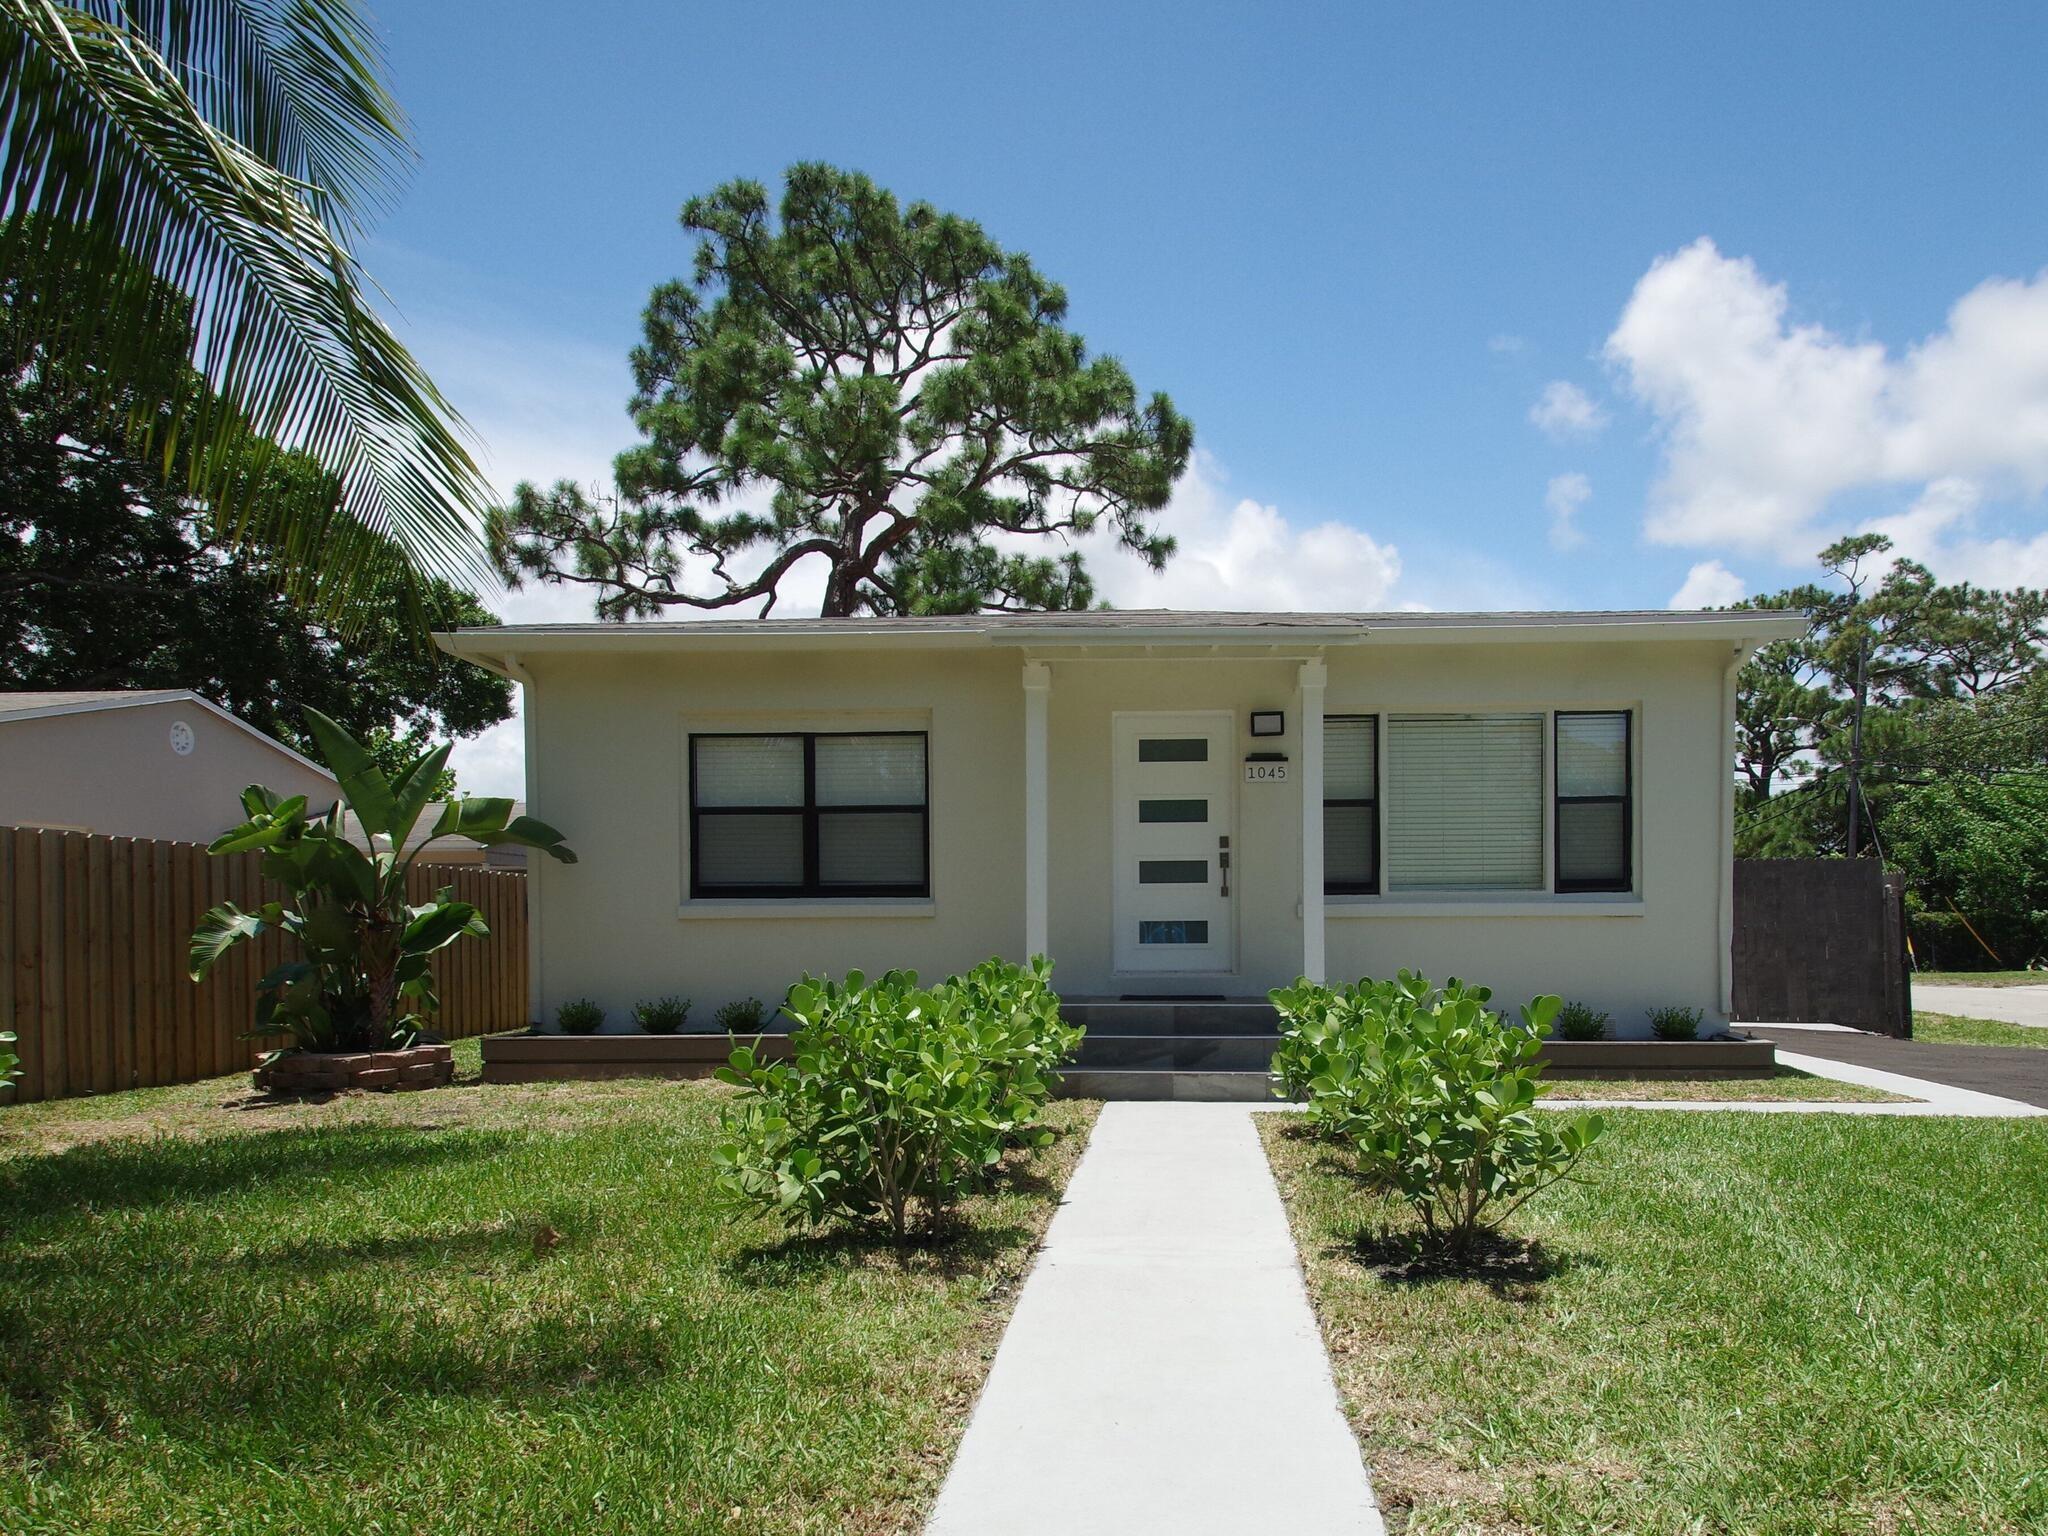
<point x="450" y="850"/>
<point x="160" y="763"/>
<point x="1191" y="804"/>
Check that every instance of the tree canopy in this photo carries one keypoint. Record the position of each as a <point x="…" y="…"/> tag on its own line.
<point x="1912" y="720"/>
<point x="882" y="391"/>
<point x="111" y="577"/>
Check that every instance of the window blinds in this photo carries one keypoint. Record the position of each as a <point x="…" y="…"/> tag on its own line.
<point x="1465" y="802"/>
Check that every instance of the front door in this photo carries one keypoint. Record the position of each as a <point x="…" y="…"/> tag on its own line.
<point x="1174" y="796"/>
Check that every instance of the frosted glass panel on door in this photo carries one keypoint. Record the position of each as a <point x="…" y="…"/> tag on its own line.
<point x="750" y="770"/>
<point x="870" y="770"/>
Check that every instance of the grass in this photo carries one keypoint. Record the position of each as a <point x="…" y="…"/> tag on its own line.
<point x="1983" y="978"/>
<point x="505" y="1309"/>
<point x="1785" y="1084"/>
<point x="1811" y="1324"/>
<point x="1950" y="1029"/>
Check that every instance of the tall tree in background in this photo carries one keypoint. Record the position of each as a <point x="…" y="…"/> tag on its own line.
<point x="225" y="155"/>
<point x="112" y="577"/>
<point x="879" y="389"/>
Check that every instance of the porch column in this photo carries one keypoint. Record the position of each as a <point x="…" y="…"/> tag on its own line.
<point x="1037" y="846"/>
<point x="1313" y="676"/>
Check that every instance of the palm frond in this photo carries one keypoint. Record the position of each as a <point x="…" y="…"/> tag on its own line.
<point x="113" y="177"/>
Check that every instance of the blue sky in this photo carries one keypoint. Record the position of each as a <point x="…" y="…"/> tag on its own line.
<point x="1774" y="269"/>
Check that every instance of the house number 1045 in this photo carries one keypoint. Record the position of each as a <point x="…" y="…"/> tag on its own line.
<point x="1265" y="773"/>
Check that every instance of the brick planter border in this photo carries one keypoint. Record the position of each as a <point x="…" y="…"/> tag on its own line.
<point x="535" y="1057"/>
<point x="1659" y="1058"/>
<point x="417" y="1066"/>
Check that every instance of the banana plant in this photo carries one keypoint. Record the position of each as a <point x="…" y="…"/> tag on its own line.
<point x="365" y="963"/>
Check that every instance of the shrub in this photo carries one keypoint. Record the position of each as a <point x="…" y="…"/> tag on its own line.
<point x="1675" y="1023"/>
<point x="1438" y="1095"/>
<point x="1577" y="1021"/>
<point x="741" y="1016"/>
<point x="898" y="1099"/>
<point x="1320" y="1025"/>
<point x="10" y="1064"/>
<point x="662" y="1016"/>
<point x="582" y="1017"/>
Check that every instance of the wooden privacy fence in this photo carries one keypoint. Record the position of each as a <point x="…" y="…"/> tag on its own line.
<point x="1821" y="941"/>
<point x="94" y="936"/>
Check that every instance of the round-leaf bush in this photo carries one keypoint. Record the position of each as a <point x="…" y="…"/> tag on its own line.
<point x="897" y="1099"/>
<point x="1436" y="1094"/>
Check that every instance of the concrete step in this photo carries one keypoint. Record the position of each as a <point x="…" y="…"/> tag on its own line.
<point x="1176" y="1053"/>
<point x="1138" y="1083"/>
<point x="1118" y="1016"/>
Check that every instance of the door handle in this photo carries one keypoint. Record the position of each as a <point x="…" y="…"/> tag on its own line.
<point x="1223" y="861"/>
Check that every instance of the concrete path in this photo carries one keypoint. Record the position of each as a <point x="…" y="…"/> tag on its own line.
<point x="2015" y="1005"/>
<point x="1162" y="1371"/>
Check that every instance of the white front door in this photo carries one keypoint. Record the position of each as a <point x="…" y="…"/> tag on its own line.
<point x="1175" y="792"/>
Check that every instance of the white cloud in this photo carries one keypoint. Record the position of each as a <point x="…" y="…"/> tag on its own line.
<point x="1506" y="343"/>
<point x="1562" y="498"/>
<point x="1766" y="421"/>
<point x="1564" y="410"/>
<point x="1240" y="553"/>
<point x="1710" y="584"/>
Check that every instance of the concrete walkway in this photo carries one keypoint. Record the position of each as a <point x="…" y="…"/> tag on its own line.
<point x="2015" y="1005"/>
<point x="1163" y="1371"/>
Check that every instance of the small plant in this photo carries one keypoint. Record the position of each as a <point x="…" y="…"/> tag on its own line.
<point x="898" y="1099"/>
<point x="662" y="1015"/>
<point x="581" y="1017"/>
<point x="1438" y="1095"/>
<point x="1675" y="1023"/>
<point x="1579" y="1021"/>
<point x="363" y="976"/>
<point x="742" y="1016"/>
<point x="10" y="1064"/>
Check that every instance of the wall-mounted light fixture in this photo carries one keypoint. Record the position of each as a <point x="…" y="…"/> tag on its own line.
<point x="1269" y="722"/>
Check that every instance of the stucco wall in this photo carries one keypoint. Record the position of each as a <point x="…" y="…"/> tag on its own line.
<point x="112" y="771"/>
<point x="609" y="770"/>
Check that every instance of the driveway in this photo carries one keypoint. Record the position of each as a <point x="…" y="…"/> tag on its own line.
<point x="2010" y="1071"/>
<point x="2015" y="1005"/>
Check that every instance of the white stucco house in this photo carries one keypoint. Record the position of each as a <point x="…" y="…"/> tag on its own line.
<point x="1167" y="804"/>
<point x="139" y="762"/>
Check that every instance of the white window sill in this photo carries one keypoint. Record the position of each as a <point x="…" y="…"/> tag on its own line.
<point x="769" y="909"/>
<point x="1478" y="904"/>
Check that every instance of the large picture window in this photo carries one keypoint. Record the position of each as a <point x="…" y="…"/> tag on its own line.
<point x="1351" y="812"/>
<point x="1465" y="803"/>
<point x="809" y="814"/>
<point x="1595" y="817"/>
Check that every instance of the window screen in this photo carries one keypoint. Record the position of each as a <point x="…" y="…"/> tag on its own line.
<point x="1351" y="865"/>
<point x="1595" y="814"/>
<point x="809" y="814"/>
<point x="1465" y="802"/>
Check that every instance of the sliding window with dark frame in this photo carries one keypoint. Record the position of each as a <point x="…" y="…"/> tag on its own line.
<point x="1594" y="815"/>
<point x="1351" y="805"/>
<point x="809" y="813"/>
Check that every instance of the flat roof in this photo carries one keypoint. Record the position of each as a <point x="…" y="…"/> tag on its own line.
<point x="1132" y="626"/>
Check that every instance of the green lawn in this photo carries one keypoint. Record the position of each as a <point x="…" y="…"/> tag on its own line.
<point x="1781" y="1325"/>
<point x="1983" y="978"/>
<point x="505" y="1309"/>
<point x="1949" y="1029"/>
<point x="1785" y="1084"/>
